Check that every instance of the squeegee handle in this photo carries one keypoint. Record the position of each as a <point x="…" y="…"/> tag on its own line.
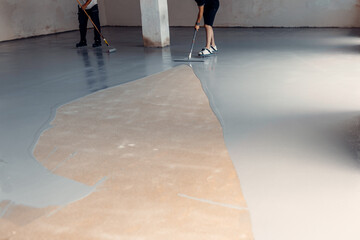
<point x="193" y="43"/>
<point x="93" y="23"/>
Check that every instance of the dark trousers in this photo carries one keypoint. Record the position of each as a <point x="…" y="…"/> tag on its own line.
<point x="210" y="11"/>
<point x="83" y="21"/>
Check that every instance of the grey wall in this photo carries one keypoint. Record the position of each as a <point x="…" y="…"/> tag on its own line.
<point x="267" y="13"/>
<point x="25" y="18"/>
<point x="123" y="12"/>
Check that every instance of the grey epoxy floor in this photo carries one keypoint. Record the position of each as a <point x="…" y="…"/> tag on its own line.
<point x="269" y="88"/>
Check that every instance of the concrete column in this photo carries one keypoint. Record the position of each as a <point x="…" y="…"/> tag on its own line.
<point x="155" y="23"/>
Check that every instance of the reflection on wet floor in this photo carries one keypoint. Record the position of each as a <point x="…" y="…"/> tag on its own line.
<point x="96" y="76"/>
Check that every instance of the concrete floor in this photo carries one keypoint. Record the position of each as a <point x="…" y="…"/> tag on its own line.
<point x="270" y="89"/>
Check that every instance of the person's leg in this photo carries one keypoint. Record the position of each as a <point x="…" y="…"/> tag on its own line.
<point x="212" y="39"/>
<point x="209" y="36"/>
<point x="83" y="20"/>
<point x="211" y="18"/>
<point x="94" y="14"/>
<point x="207" y="50"/>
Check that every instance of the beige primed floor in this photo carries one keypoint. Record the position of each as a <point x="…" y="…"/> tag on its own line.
<point x="159" y="150"/>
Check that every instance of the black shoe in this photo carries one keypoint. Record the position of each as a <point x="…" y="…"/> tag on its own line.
<point x="81" y="44"/>
<point x="97" y="44"/>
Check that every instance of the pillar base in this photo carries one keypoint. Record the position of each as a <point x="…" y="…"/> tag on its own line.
<point x="155" y="23"/>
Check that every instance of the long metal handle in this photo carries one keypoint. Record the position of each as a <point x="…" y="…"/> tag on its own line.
<point x="193" y="43"/>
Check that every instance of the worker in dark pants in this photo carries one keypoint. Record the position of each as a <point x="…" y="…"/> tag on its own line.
<point x="208" y="10"/>
<point x="91" y="7"/>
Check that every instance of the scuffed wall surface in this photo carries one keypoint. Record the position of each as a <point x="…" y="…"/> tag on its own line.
<point x="26" y="18"/>
<point x="289" y="13"/>
<point x="249" y="13"/>
<point x="123" y="12"/>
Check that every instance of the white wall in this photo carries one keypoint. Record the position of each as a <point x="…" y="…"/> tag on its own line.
<point x="25" y="18"/>
<point x="267" y="13"/>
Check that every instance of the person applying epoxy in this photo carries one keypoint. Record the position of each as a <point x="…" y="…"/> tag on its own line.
<point x="91" y="7"/>
<point x="207" y="10"/>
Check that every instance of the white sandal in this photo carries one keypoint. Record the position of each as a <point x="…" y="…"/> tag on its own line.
<point x="205" y="52"/>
